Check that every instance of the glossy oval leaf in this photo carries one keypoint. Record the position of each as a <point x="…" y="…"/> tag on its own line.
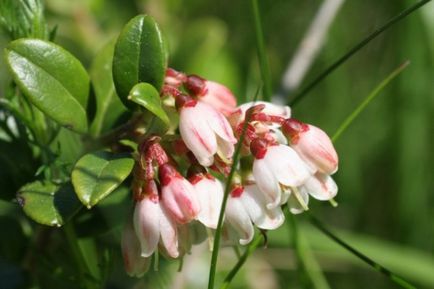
<point x="98" y="174"/>
<point x="47" y="203"/>
<point x="139" y="56"/>
<point x="108" y="105"/>
<point x="148" y="97"/>
<point x="52" y="79"/>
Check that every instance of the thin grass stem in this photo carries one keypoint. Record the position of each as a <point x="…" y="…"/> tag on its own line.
<point x="368" y="99"/>
<point x="250" y="249"/>
<point x="390" y="275"/>
<point x="355" y="49"/>
<point x="262" y="56"/>
<point x="306" y="263"/>
<point x="218" y="232"/>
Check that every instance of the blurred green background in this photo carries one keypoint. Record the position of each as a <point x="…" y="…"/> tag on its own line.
<point x="386" y="173"/>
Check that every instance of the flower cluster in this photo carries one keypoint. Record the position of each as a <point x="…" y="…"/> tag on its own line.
<point x="177" y="176"/>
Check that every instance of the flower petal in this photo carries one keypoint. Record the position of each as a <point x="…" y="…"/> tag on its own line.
<point x="219" y="97"/>
<point x="180" y="200"/>
<point x="255" y="204"/>
<point x="217" y="122"/>
<point x="267" y="182"/>
<point x="210" y="196"/>
<point x="316" y="148"/>
<point x="197" y="134"/>
<point x="286" y="165"/>
<point x="146" y="225"/>
<point x="322" y="187"/>
<point x="168" y="232"/>
<point x="237" y="216"/>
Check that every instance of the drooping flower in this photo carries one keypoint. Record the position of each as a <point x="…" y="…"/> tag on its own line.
<point x="321" y="187"/>
<point x="153" y="225"/>
<point x="209" y="191"/>
<point x="213" y="93"/>
<point x="275" y="168"/>
<point x="178" y="196"/>
<point x="247" y="206"/>
<point x="312" y="144"/>
<point x="205" y="131"/>
<point x="135" y="265"/>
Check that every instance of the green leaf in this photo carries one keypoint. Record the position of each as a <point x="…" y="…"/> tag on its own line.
<point x="52" y="79"/>
<point x="47" y="203"/>
<point x="139" y="56"/>
<point x="96" y="175"/>
<point x="108" y="105"/>
<point x="147" y="96"/>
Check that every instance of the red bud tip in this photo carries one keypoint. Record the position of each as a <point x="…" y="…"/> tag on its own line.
<point x="237" y="191"/>
<point x="183" y="100"/>
<point x="292" y="127"/>
<point x="166" y="173"/>
<point x="258" y="147"/>
<point x="196" y="85"/>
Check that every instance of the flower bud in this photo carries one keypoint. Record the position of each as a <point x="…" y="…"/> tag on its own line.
<point x="178" y="195"/>
<point x="313" y="145"/>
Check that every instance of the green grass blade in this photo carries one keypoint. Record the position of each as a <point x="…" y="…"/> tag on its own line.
<point x="218" y="232"/>
<point x="393" y="277"/>
<point x="250" y="249"/>
<point x="263" y="63"/>
<point x="355" y="49"/>
<point x="368" y="99"/>
<point x="306" y="262"/>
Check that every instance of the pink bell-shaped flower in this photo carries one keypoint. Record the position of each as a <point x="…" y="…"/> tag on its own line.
<point x="274" y="167"/>
<point x="213" y="93"/>
<point x="205" y="131"/>
<point x="312" y="144"/>
<point x="153" y="225"/>
<point x="209" y="192"/>
<point x="255" y="203"/>
<point x="135" y="264"/>
<point x="247" y="206"/>
<point x="321" y="187"/>
<point x="237" y="216"/>
<point x="178" y="196"/>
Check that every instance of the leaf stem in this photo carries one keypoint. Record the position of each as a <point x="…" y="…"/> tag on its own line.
<point x="218" y="232"/>
<point x="368" y="99"/>
<point x="355" y="49"/>
<point x="396" y="279"/>
<point x="125" y="130"/>
<point x="252" y="247"/>
<point x="262" y="56"/>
